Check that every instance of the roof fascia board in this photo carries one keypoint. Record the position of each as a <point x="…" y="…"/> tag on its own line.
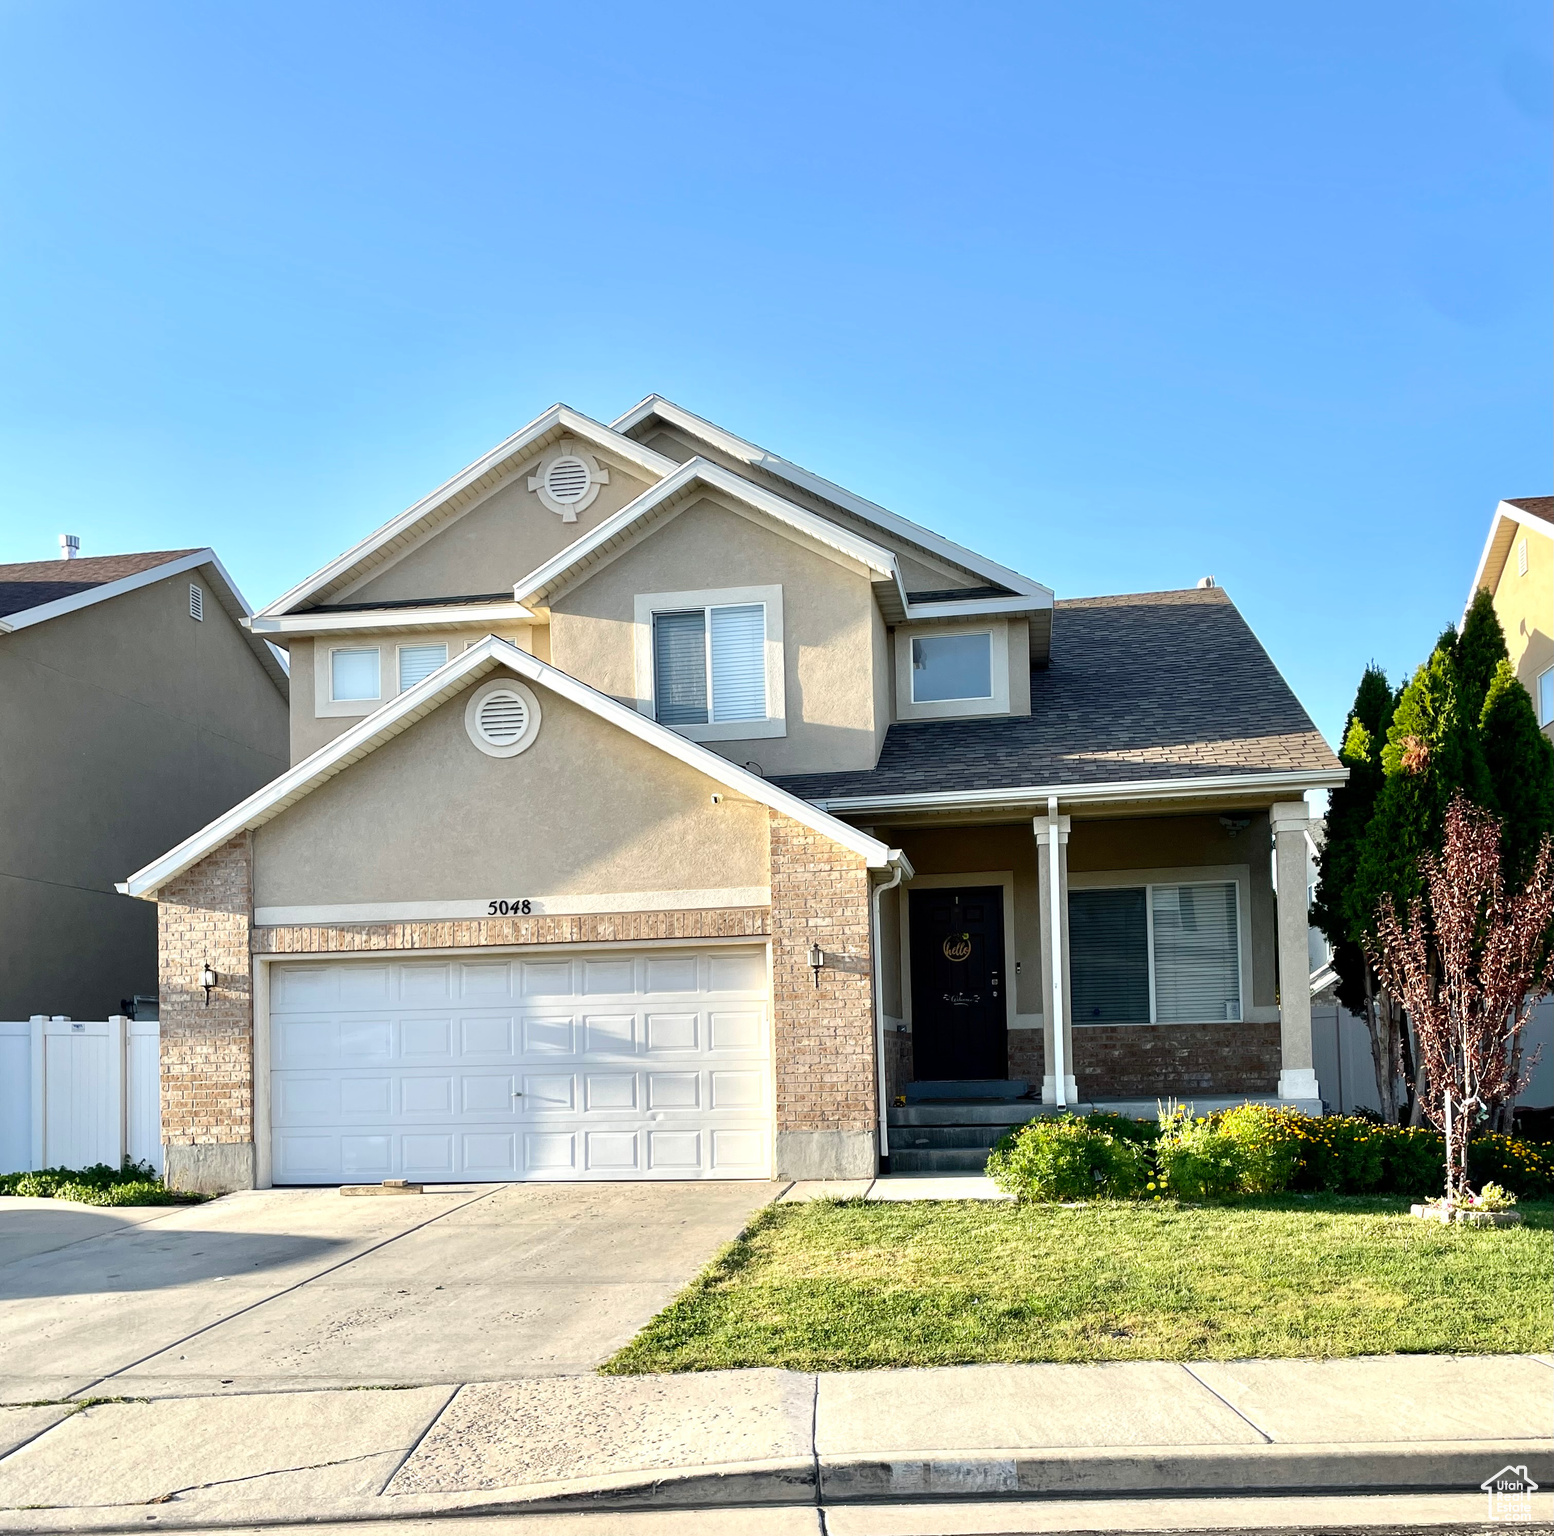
<point x="1485" y="576"/>
<point x="872" y="556"/>
<point x="1289" y="781"/>
<point x="384" y="724"/>
<point x="562" y="416"/>
<point x="27" y="617"/>
<point x="750" y="453"/>
<point x="438" y="617"/>
<point x="977" y="607"/>
<point x="227" y="592"/>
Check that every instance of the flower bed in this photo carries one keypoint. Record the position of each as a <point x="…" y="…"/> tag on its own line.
<point x="101" y="1184"/>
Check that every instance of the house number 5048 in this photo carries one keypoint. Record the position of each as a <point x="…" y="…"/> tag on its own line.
<point x="509" y="908"/>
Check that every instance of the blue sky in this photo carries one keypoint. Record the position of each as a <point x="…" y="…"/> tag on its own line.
<point x="1119" y="294"/>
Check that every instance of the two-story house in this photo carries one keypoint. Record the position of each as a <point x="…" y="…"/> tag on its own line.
<point x="134" y="706"/>
<point x="659" y="809"/>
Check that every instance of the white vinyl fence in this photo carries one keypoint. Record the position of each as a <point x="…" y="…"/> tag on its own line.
<point x="74" y="1092"/>
<point x="1342" y="1047"/>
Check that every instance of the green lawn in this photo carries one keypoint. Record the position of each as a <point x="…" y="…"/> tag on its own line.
<point x="843" y="1285"/>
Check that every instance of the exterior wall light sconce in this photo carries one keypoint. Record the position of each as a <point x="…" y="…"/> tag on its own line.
<point x="208" y="980"/>
<point x="817" y="958"/>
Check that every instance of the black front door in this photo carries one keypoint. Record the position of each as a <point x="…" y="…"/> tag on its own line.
<point x="959" y="1011"/>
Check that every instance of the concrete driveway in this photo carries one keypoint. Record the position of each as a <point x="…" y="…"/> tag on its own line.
<point x="302" y="1289"/>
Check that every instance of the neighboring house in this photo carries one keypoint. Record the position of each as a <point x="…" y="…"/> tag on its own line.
<point x="1517" y="569"/>
<point x="660" y="809"/>
<point x="135" y="707"/>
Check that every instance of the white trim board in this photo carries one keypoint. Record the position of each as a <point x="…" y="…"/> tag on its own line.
<point x="558" y="417"/>
<point x="1481" y="577"/>
<point x="581" y="905"/>
<point x="232" y="601"/>
<point x="750" y="453"/>
<point x="401" y="712"/>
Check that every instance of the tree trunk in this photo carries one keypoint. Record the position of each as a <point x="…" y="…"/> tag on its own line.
<point x="1381" y="1055"/>
<point x="1416" y="1106"/>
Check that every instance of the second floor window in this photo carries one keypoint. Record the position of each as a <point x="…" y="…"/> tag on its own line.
<point x="948" y="667"/>
<point x="1546" y="697"/>
<point x="353" y="675"/>
<point x="709" y="665"/>
<point x="419" y="661"/>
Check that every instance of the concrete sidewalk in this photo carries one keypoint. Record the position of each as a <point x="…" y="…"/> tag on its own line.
<point x="1421" y="1424"/>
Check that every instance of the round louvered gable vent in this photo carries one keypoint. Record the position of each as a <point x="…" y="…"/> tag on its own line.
<point x="567" y="480"/>
<point x="502" y="719"/>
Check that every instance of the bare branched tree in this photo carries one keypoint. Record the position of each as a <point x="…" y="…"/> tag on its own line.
<point x="1469" y="964"/>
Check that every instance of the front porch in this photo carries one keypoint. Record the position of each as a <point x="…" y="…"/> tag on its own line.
<point x="1173" y="926"/>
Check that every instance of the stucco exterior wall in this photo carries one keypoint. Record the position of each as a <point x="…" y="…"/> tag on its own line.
<point x="128" y="726"/>
<point x="586" y="809"/>
<point x="504" y="537"/>
<point x="1525" y="608"/>
<point x="829" y="636"/>
<point x="919" y="571"/>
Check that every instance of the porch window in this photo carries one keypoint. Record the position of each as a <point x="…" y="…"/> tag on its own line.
<point x="1159" y="954"/>
<point x="709" y="664"/>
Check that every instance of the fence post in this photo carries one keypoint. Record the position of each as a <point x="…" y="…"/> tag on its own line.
<point x="118" y="1075"/>
<point x="39" y="1098"/>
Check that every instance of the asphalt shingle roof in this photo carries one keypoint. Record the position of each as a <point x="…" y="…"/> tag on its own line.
<point x="33" y="583"/>
<point x="1152" y="685"/>
<point x="1539" y="506"/>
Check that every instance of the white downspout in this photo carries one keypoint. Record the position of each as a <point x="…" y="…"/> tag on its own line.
<point x="1055" y="941"/>
<point x="879" y="1001"/>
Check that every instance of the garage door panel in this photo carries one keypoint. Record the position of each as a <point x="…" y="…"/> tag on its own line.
<point x="658" y="1082"/>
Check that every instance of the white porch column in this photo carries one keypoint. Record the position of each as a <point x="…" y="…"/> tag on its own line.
<point x="1057" y="1084"/>
<point x="1297" y="1075"/>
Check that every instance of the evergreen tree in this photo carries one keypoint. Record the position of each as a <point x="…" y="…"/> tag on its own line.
<point x="1480" y="650"/>
<point x="1520" y="762"/>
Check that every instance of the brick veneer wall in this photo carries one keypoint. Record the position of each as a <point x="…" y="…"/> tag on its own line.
<point x="824" y="1034"/>
<point x="1134" y="1061"/>
<point x="207" y="1051"/>
<point x="1026" y="1056"/>
<point x="475" y="933"/>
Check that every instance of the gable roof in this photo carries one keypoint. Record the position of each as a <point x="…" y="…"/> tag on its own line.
<point x="542" y="585"/>
<point x="35" y="591"/>
<point x="758" y="458"/>
<point x="1535" y="512"/>
<point x="459" y="492"/>
<point x="1146" y="694"/>
<point x="36" y="583"/>
<point x="431" y="693"/>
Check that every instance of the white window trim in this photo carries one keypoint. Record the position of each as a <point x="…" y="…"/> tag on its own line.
<point x="326" y="705"/>
<point x="908" y="708"/>
<point x="1538" y="696"/>
<point x="646" y="604"/>
<point x="1200" y="874"/>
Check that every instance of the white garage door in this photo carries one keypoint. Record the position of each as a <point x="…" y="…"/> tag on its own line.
<point x="643" y="1065"/>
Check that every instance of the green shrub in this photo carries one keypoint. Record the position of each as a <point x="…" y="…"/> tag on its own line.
<point x="1522" y="1167"/>
<point x="1268" y="1146"/>
<point x="1065" y="1158"/>
<point x="1413" y="1161"/>
<point x="1196" y="1160"/>
<point x="1124" y="1127"/>
<point x="101" y="1184"/>
<point x="1341" y="1154"/>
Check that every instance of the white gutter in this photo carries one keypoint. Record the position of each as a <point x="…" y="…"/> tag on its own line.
<point x="900" y="865"/>
<point x="1055" y="939"/>
<point x="1132" y="789"/>
<point x="431" y="616"/>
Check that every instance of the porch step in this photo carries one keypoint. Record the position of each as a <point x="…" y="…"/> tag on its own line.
<point x="915" y="1137"/>
<point x="937" y="1159"/>
<point x="1016" y="1113"/>
<point x="978" y="1088"/>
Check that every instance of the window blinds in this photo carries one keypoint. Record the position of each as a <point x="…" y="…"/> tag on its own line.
<point x="1109" y="956"/>
<point x="1197" y="960"/>
<point x="419" y="661"/>
<point x="680" y="667"/>
<point x="739" y="662"/>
